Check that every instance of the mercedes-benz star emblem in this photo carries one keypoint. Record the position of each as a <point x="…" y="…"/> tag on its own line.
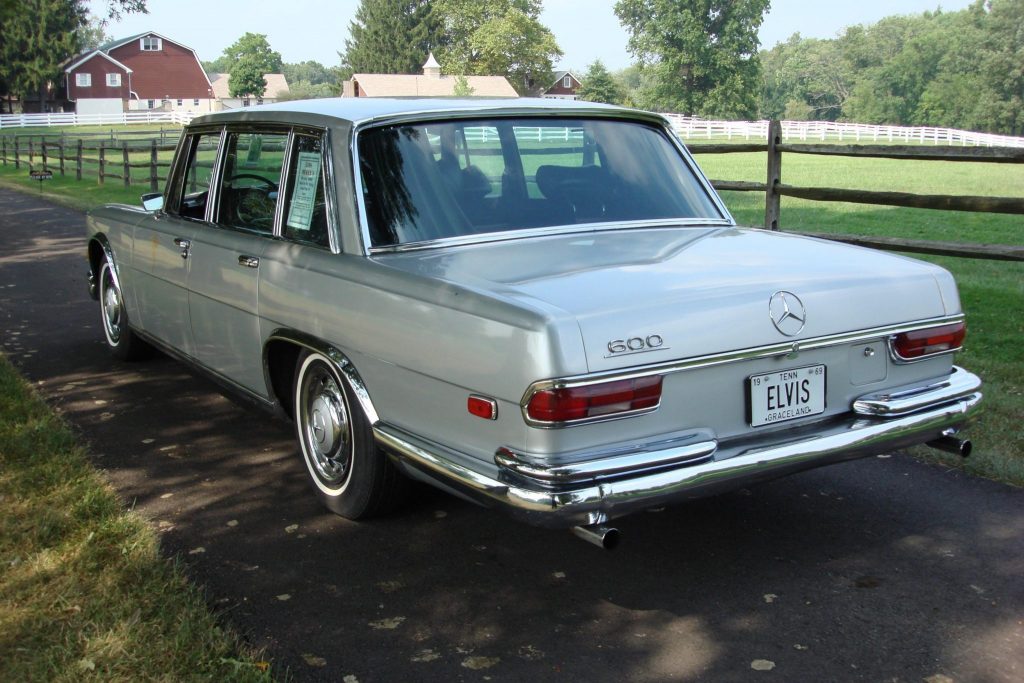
<point x="787" y="312"/>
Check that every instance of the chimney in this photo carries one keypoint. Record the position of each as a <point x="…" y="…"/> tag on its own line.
<point x="431" y="68"/>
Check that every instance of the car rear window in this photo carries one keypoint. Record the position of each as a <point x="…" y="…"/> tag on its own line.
<point x="435" y="180"/>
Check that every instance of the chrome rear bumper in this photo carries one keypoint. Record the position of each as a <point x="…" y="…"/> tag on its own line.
<point x="610" y="485"/>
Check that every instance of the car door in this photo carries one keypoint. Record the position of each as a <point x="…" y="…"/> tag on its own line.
<point x="162" y="246"/>
<point x="225" y="256"/>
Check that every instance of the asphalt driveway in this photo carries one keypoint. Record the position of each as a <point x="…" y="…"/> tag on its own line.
<point x="882" y="569"/>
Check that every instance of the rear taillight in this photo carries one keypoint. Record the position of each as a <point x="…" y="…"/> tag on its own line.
<point x="929" y="341"/>
<point x="606" y="399"/>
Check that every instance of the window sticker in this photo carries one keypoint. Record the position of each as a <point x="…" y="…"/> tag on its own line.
<point x="307" y="175"/>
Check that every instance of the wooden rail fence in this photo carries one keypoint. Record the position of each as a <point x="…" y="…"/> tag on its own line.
<point x="112" y="160"/>
<point x="116" y="159"/>
<point x="774" y="189"/>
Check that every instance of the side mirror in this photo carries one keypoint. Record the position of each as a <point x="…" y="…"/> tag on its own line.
<point x="152" y="201"/>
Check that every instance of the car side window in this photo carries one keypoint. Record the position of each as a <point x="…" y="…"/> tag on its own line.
<point x="250" y="180"/>
<point x="305" y="208"/>
<point x="192" y="190"/>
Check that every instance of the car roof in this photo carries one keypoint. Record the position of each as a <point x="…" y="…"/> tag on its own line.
<point x="360" y="110"/>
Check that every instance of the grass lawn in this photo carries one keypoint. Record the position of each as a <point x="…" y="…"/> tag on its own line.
<point x="82" y="195"/>
<point x="84" y="591"/>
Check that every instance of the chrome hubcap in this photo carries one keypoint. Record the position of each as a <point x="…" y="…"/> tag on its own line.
<point x="326" y="425"/>
<point x="111" y="310"/>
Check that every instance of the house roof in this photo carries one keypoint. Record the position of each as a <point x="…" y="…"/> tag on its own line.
<point x="559" y="75"/>
<point x="85" y="57"/>
<point x="277" y="85"/>
<point x="402" y="85"/>
<point x="110" y="45"/>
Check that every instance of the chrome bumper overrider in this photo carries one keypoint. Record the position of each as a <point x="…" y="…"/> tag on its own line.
<point x="611" y="484"/>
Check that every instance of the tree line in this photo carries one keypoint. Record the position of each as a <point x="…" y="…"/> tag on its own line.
<point x="960" y="69"/>
<point x="698" y="57"/>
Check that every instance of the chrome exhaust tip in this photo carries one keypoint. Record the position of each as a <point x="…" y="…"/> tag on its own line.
<point x="951" y="444"/>
<point x="600" y="535"/>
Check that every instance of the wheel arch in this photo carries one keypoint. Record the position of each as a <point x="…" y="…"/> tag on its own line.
<point x="98" y="249"/>
<point x="280" y="354"/>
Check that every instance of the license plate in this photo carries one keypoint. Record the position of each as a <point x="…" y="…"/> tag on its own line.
<point x="786" y="395"/>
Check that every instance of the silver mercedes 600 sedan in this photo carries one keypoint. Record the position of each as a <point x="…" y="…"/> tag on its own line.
<point x="537" y="305"/>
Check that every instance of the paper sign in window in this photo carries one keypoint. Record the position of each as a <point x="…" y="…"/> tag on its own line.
<point x="307" y="177"/>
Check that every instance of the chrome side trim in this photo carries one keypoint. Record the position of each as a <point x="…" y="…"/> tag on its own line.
<point x="641" y="458"/>
<point x="344" y="365"/>
<point x="908" y="399"/>
<point x="739" y="355"/>
<point x="732" y="466"/>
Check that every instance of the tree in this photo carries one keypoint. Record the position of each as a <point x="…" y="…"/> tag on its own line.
<point x="246" y="78"/>
<point x="255" y="48"/>
<point x="1003" y="66"/>
<point x="497" y="38"/>
<point x="805" y="79"/>
<point x="310" y="72"/>
<point x="37" y="39"/>
<point x="598" y="85"/>
<point x="390" y="37"/>
<point x="305" y="90"/>
<point x="703" y="53"/>
<point x="38" y="36"/>
<point x="94" y="34"/>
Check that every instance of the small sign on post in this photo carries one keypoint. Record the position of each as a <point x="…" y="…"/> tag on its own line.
<point x="40" y="176"/>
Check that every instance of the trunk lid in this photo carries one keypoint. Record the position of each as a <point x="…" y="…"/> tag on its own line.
<point x="694" y="291"/>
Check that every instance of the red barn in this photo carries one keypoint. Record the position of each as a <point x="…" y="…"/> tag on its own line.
<point x="145" y="71"/>
<point x="564" y="88"/>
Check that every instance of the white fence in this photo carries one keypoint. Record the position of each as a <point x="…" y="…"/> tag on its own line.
<point x="691" y="127"/>
<point x="687" y="127"/>
<point x="23" y="120"/>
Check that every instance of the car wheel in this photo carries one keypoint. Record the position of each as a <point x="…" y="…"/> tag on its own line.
<point x="352" y="476"/>
<point x="122" y="342"/>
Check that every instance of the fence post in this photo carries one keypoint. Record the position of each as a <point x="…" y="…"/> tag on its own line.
<point x="152" y="164"/>
<point x="42" y="152"/>
<point x="127" y="167"/>
<point x="772" y="199"/>
<point x="60" y="151"/>
<point x="78" y="160"/>
<point x="3" y="141"/>
<point x="31" y="154"/>
<point x="17" y="157"/>
<point x="103" y="160"/>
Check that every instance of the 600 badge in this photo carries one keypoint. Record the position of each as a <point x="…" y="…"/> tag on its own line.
<point x="622" y="347"/>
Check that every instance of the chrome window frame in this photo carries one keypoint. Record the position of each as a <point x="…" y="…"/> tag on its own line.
<point x="253" y="128"/>
<point x="177" y="175"/>
<point x="326" y="177"/>
<point x="662" y="124"/>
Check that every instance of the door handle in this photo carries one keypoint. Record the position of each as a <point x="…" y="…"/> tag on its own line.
<point x="184" y="245"/>
<point x="248" y="261"/>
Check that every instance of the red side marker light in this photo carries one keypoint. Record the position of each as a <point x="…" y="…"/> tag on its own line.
<point x="487" y="408"/>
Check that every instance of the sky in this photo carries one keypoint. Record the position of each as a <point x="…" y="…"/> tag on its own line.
<point x="586" y="30"/>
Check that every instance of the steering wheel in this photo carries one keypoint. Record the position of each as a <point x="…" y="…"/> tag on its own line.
<point x="254" y="207"/>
